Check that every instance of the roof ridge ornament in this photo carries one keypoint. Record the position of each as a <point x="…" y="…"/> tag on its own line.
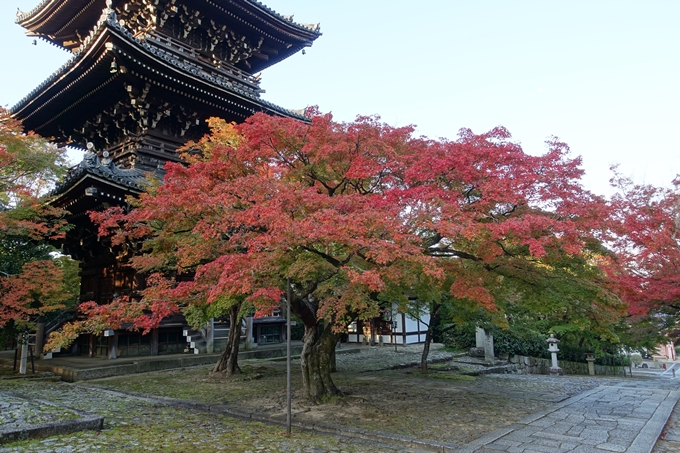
<point x="108" y="13"/>
<point x="313" y="27"/>
<point x="106" y="160"/>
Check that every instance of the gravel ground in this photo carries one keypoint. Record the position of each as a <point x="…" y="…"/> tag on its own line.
<point x="402" y="401"/>
<point x="17" y="412"/>
<point x="133" y="424"/>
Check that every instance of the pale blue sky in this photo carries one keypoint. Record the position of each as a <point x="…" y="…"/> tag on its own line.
<point x="603" y="76"/>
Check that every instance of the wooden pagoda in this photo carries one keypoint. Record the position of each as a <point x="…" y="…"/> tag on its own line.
<point x="143" y="78"/>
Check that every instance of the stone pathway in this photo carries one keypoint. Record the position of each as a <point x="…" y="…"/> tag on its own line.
<point x="628" y="417"/>
<point x="586" y="416"/>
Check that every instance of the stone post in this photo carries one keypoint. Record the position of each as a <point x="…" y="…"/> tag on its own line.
<point x="113" y="345"/>
<point x="590" y="358"/>
<point x="250" y="343"/>
<point x="23" y="339"/>
<point x="210" y="346"/>
<point x="555" y="370"/>
<point x="489" y="354"/>
<point x="479" y="337"/>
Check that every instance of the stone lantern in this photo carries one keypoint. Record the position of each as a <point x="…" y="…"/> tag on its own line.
<point x="590" y="358"/>
<point x="555" y="370"/>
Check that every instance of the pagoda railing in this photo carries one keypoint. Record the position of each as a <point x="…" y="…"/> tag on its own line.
<point x="178" y="47"/>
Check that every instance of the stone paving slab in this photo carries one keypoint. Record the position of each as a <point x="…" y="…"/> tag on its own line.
<point x="620" y="418"/>
<point x="22" y="417"/>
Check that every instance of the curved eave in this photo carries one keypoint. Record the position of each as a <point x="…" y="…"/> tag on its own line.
<point x="76" y="68"/>
<point x="42" y="11"/>
<point x="71" y="193"/>
<point x="259" y="12"/>
<point x="110" y="37"/>
<point x="57" y="20"/>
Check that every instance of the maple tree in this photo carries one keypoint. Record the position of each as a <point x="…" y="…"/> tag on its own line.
<point x="515" y="232"/>
<point x="644" y="232"/>
<point x="32" y="281"/>
<point x="357" y="216"/>
<point x="287" y="200"/>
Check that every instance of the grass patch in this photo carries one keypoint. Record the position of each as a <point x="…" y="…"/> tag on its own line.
<point x="449" y="377"/>
<point x="172" y="430"/>
<point x="254" y="381"/>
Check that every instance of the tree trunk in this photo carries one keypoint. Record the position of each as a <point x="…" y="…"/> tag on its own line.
<point x="228" y="361"/>
<point x="434" y="314"/>
<point x="315" y="362"/>
<point x="426" y="349"/>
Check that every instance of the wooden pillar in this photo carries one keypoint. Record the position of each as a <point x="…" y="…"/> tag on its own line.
<point x="39" y="338"/>
<point x="153" y="341"/>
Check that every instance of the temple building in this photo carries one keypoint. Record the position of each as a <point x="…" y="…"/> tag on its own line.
<point x="143" y="78"/>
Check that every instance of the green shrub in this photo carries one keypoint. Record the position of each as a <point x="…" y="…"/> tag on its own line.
<point x="459" y="337"/>
<point x="511" y="343"/>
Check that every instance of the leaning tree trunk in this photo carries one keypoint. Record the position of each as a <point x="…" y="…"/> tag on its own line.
<point x="228" y="361"/>
<point x="426" y="349"/>
<point x="316" y="363"/>
<point x="434" y="313"/>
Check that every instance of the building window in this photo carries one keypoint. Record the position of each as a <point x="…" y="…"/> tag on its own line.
<point x="270" y="334"/>
<point x="134" y="344"/>
<point x="171" y="342"/>
<point x="101" y="348"/>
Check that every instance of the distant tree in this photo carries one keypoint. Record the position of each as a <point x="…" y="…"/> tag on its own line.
<point x="645" y="233"/>
<point x="514" y="232"/>
<point x="32" y="281"/>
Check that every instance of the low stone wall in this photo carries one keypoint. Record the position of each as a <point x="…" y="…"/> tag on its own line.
<point x="533" y="365"/>
<point x="146" y="364"/>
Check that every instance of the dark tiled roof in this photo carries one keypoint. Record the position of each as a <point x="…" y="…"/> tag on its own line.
<point x="131" y="178"/>
<point x="308" y="27"/>
<point x="22" y="16"/>
<point x="110" y="19"/>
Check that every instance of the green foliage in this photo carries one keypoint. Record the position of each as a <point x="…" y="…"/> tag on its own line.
<point x="460" y="338"/>
<point x="29" y="165"/>
<point x="70" y="278"/>
<point x="200" y="313"/>
<point x="516" y="343"/>
<point x="636" y="358"/>
<point x="8" y="335"/>
<point x="297" y="331"/>
<point x="33" y="280"/>
<point x="519" y="340"/>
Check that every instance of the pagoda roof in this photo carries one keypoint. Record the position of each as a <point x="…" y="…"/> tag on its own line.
<point x="65" y="21"/>
<point x="128" y="179"/>
<point x="95" y="181"/>
<point x="84" y="82"/>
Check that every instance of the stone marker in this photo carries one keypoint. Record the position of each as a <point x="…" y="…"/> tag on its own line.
<point x="479" y="337"/>
<point x="489" y="354"/>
